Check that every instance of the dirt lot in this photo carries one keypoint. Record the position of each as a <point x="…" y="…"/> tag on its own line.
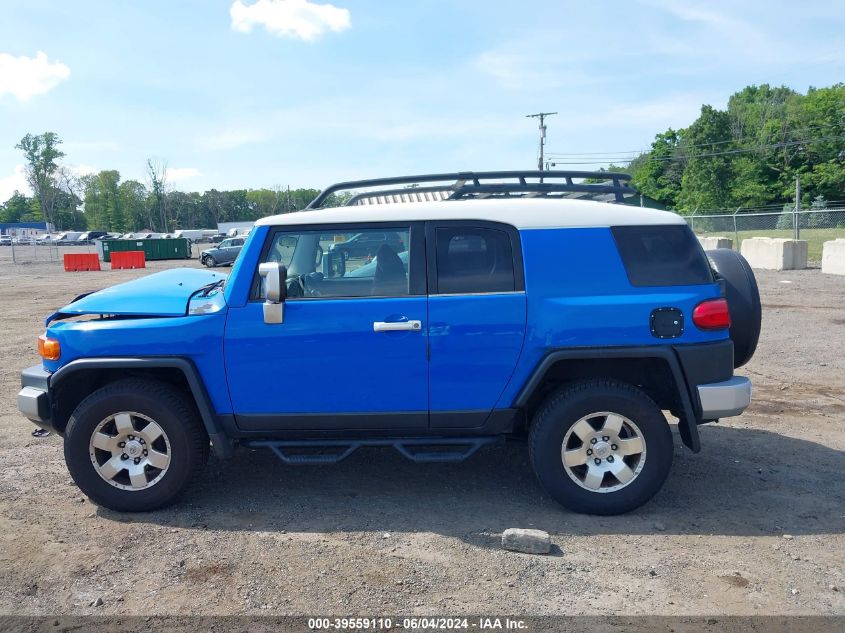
<point x="754" y="524"/>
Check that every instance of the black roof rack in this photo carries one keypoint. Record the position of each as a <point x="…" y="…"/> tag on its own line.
<point x="613" y="186"/>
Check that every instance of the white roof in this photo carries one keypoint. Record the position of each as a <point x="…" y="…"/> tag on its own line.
<point x="523" y="213"/>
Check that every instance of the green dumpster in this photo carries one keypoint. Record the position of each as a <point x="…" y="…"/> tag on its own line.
<point x="172" y="248"/>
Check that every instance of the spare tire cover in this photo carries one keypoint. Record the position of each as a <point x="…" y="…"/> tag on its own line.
<point x="743" y="301"/>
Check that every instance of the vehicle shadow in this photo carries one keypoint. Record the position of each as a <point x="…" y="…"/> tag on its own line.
<point x="744" y="482"/>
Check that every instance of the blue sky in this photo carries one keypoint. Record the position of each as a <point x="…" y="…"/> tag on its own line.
<point x="259" y="93"/>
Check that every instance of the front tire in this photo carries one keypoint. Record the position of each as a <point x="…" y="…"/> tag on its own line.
<point x="209" y="261"/>
<point x="135" y="445"/>
<point x="600" y="447"/>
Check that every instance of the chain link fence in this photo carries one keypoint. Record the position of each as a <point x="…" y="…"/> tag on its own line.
<point x="31" y="253"/>
<point x="817" y="226"/>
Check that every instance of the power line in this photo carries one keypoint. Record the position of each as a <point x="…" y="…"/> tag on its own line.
<point x="621" y="153"/>
<point x="542" y="116"/>
<point x="683" y="156"/>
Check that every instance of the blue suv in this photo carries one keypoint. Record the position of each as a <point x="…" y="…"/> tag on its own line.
<point x="508" y="305"/>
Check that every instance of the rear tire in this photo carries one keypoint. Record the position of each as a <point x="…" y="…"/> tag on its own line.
<point x="600" y="447"/>
<point x="743" y="301"/>
<point x="135" y="445"/>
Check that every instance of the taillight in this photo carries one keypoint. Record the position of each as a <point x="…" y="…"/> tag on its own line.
<point x="712" y="314"/>
<point x="48" y="348"/>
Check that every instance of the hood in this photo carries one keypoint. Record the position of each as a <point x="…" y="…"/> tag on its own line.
<point x="163" y="294"/>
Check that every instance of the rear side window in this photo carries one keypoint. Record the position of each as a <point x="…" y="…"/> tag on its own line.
<point x="473" y="260"/>
<point x="662" y="255"/>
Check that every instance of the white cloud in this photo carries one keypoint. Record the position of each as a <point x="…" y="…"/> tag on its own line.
<point x="25" y="77"/>
<point x="229" y="139"/>
<point x="178" y="174"/>
<point x="15" y="182"/>
<point x="82" y="169"/>
<point x="290" y="18"/>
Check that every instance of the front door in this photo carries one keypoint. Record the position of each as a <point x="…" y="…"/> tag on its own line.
<point x="351" y="352"/>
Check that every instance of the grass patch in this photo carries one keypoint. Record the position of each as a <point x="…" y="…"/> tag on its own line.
<point x="815" y="238"/>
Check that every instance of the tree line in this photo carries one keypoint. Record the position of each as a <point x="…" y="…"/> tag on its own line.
<point x="102" y="201"/>
<point x="750" y="154"/>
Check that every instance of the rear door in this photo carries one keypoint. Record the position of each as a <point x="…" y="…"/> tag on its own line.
<point x="477" y="313"/>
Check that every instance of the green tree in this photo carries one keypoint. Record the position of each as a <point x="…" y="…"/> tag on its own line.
<point x="42" y="155"/>
<point x="658" y="174"/>
<point x="133" y="201"/>
<point x="706" y="182"/>
<point x="16" y="208"/>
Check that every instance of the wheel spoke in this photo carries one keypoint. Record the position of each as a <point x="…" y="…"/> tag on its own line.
<point x="632" y="446"/>
<point x="575" y="457"/>
<point x="583" y="430"/>
<point x="612" y="424"/>
<point x="104" y="442"/>
<point x="151" y="432"/>
<point x="157" y="459"/>
<point x="137" y="476"/>
<point x="621" y="471"/>
<point x="112" y="467"/>
<point x="123" y="423"/>
<point x="593" y="478"/>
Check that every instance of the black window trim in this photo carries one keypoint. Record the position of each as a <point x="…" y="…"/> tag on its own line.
<point x="431" y="227"/>
<point x="416" y="264"/>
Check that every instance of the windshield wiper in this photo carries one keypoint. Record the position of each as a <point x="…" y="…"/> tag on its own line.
<point x="205" y="290"/>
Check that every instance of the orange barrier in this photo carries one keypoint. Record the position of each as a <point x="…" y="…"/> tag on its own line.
<point x="81" y="261"/>
<point x="128" y="259"/>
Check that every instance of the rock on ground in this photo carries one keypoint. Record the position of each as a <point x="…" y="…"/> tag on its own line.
<point x="527" y="541"/>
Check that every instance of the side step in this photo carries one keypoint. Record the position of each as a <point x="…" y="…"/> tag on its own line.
<point x="418" y="449"/>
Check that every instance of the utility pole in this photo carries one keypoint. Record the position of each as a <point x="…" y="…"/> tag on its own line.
<point x="542" y="116"/>
<point x="797" y="218"/>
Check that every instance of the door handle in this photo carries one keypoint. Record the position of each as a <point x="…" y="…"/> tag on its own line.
<point x="397" y="326"/>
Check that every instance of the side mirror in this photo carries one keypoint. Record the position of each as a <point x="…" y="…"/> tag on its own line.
<point x="275" y="278"/>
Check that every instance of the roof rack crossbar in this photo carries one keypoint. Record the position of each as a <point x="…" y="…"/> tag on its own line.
<point x="539" y="188"/>
<point x="463" y="184"/>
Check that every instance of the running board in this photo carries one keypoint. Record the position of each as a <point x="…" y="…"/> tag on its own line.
<point x="452" y="449"/>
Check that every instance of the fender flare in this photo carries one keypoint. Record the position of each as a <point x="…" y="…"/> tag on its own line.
<point x="687" y="423"/>
<point x="222" y="445"/>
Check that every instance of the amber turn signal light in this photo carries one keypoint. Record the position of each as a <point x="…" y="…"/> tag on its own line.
<point x="49" y="348"/>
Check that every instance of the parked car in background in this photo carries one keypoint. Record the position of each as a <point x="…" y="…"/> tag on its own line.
<point x="5" y="240"/>
<point x="195" y="236"/>
<point x="23" y="240"/>
<point x="224" y="253"/>
<point x="90" y="236"/>
<point x="67" y="238"/>
<point x="367" y="244"/>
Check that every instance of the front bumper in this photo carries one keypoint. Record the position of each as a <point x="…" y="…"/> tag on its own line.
<point x="34" y="397"/>
<point x="724" y="399"/>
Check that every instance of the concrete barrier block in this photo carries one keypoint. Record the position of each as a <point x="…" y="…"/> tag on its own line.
<point x="716" y="241"/>
<point x="833" y="257"/>
<point x="774" y="253"/>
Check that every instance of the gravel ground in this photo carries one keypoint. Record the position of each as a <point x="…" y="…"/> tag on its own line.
<point x="752" y="525"/>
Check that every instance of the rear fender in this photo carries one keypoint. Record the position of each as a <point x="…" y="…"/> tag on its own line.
<point x="687" y="416"/>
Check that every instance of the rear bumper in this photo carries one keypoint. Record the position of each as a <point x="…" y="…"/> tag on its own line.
<point x="34" y="397"/>
<point x="724" y="399"/>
